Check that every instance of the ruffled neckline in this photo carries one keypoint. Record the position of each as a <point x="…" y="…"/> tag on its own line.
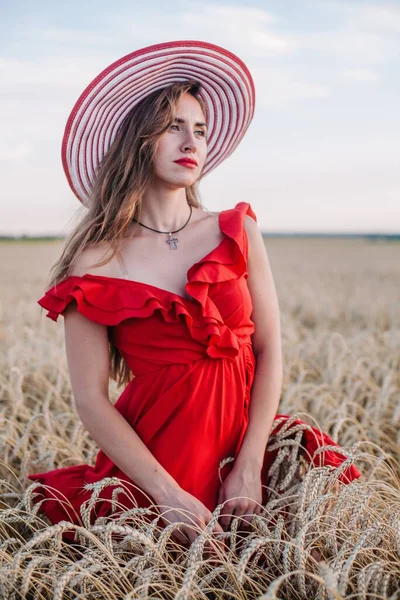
<point x="221" y="254"/>
<point x="107" y="300"/>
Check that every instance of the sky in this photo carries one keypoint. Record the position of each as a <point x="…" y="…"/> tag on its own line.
<point x="322" y="151"/>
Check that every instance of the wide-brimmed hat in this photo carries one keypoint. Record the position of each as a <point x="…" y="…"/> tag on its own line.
<point x="227" y="88"/>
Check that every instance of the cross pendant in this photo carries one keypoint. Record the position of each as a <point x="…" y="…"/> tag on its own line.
<point x="172" y="242"/>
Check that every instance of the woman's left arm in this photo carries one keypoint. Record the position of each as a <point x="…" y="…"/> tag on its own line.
<point x="266" y="342"/>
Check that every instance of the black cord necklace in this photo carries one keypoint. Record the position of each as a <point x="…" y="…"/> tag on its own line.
<point x="172" y="241"/>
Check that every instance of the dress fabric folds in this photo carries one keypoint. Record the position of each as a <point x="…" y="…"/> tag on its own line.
<point x="194" y="368"/>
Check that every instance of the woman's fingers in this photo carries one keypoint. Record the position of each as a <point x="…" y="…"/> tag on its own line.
<point x="218" y="528"/>
<point x="186" y="532"/>
<point x="180" y="536"/>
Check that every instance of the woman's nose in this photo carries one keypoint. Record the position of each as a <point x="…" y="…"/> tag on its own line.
<point x="189" y="142"/>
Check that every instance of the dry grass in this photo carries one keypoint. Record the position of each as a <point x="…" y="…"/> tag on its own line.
<point x="340" y="305"/>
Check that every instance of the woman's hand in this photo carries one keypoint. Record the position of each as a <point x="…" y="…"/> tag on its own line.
<point x="240" y="482"/>
<point x="179" y="500"/>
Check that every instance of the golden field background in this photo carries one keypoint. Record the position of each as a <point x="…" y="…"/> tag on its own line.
<point x="340" y="315"/>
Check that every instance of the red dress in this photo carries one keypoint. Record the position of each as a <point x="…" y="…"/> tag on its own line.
<point x="194" y="367"/>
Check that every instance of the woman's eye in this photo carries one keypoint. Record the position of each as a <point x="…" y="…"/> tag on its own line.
<point x="197" y="131"/>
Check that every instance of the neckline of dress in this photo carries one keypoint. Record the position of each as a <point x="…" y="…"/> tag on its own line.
<point x="154" y="287"/>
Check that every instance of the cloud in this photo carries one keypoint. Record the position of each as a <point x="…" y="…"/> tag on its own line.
<point x="60" y="71"/>
<point x="38" y="94"/>
<point x="80" y="37"/>
<point x="383" y="17"/>
<point x="350" y="45"/>
<point x="365" y="33"/>
<point x="16" y="151"/>
<point x="242" y="28"/>
<point x="360" y="75"/>
<point x="276" y="87"/>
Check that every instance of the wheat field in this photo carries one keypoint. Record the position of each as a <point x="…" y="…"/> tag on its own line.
<point x="316" y="538"/>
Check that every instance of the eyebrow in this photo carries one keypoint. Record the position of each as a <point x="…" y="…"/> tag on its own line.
<point x="198" y="124"/>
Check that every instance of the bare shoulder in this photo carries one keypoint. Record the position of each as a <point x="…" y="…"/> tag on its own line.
<point x="88" y="259"/>
<point x="207" y="214"/>
<point x="250" y="223"/>
<point x="252" y="229"/>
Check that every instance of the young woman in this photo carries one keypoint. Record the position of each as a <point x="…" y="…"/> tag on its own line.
<point x="176" y="303"/>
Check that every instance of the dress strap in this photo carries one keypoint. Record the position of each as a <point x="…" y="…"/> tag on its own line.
<point x="122" y="265"/>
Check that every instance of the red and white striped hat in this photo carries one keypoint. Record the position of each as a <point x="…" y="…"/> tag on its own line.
<point x="227" y="89"/>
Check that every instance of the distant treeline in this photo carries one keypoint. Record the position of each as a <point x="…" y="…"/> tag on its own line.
<point x="360" y="236"/>
<point x="367" y="236"/>
<point x="30" y="238"/>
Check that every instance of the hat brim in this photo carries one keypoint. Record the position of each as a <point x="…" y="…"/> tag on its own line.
<point x="227" y="89"/>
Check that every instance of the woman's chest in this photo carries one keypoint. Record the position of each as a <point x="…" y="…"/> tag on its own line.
<point x="227" y="304"/>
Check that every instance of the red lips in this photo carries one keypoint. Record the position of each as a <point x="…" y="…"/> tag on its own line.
<point x="186" y="161"/>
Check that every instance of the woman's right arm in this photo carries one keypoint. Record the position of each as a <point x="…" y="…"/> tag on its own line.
<point x="87" y="350"/>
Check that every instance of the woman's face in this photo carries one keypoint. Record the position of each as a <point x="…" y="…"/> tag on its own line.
<point x="185" y="138"/>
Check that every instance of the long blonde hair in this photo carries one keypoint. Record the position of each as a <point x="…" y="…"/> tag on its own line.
<point x="124" y="175"/>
